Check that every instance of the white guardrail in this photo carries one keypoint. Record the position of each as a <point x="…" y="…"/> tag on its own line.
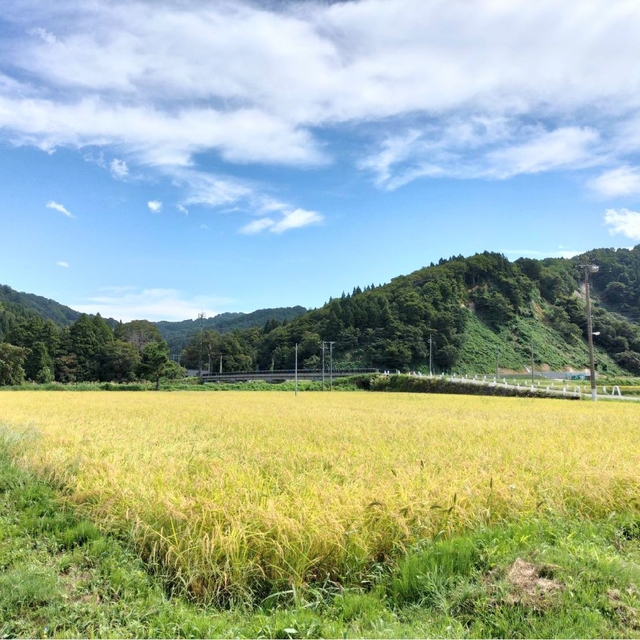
<point x="563" y="391"/>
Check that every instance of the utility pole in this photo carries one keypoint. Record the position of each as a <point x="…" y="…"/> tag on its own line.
<point x="331" y="343"/>
<point x="323" y="346"/>
<point x="430" y="356"/>
<point x="296" y="385"/>
<point x="532" y="362"/>
<point x="220" y="363"/>
<point x="497" y="363"/>
<point x="201" y="318"/>
<point x="590" y="268"/>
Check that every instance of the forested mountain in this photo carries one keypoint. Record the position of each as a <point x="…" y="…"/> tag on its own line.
<point x="477" y="313"/>
<point x="618" y="280"/>
<point x="177" y="334"/>
<point x="18" y="303"/>
<point x="474" y="314"/>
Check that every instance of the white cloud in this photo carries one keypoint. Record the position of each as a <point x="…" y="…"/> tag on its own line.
<point x="623" y="181"/>
<point x="182" y="209"/>
<point x="96" y="158"/>
<point x="567" y="147"/>
<point x="129" y="303"/>
<point x="395" y="149"/>
<point x="347" y="60"/>
<point x="481" y="148"/>
<point x="623" y="221"/>
<point x="157" y="137"/>
<point x="62" y="263"/>
<point x="61" y="208"/>
<point x="216" y="191"/>
<point x="211" y="190"/>
<point x="420" y="170"/>
<point x="119" y="168"/>
<point x="296" y="219"/>
<point x="257" y="226"/>
<point x="155" y="206"/>
<point x="492" y="88"/>
<point x="291" y="219"/>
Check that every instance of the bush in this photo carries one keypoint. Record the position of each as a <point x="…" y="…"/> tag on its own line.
<point x="413" y="384"/>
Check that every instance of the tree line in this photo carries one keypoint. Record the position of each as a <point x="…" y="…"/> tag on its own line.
<point x="89" y="350"/>
<point x="401" y="325"/>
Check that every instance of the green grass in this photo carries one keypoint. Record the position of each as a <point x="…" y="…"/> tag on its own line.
<point x="61" y="577"/>
<point x="478" y="352"/>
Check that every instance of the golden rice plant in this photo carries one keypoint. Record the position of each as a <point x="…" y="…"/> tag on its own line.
<point x="235" y="494"/>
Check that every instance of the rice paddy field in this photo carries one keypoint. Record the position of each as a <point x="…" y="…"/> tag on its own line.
<point x="233" y="496"/>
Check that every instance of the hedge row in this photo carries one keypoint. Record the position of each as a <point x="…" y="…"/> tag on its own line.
<point x="415" y="384"/>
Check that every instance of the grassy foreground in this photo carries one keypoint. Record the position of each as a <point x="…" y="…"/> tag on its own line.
<point x="61" y="577"/>
<point x="265" y="515"/>
<point x="237" y="496"/>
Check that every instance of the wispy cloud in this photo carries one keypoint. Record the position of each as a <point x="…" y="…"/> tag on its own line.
<point x="61" y="208"/>
<point x="182" y="209"/>
<point x="131" y="303"/>
<point x="256" y="226"/>
<point x="62" y="263"/>
<point x="623" y="221"/>
<point x="228" y="193"/>
<point x="155" y="206"/>
<point x="318" y="65"/>
<point x="623" y="181"/>
<point x="294" y="219"/>
<point x="119" y="168"/>
<point x="212" y="190"/>
<point x="481" y="148"/>
<point x="563" y="148"/>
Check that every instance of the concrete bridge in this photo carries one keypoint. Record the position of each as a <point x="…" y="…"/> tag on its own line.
<point x="281" y="375"/>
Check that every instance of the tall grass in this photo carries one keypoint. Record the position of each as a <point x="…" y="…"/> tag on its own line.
<point x="235" y="496"/>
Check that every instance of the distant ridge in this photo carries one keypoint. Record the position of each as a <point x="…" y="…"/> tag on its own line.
<point x="20" y="302"/>
<point x="177" y="334"/>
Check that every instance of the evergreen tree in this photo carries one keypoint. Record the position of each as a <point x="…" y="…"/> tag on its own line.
<point x="155" y="363"/>
<point x="11" y="360"/>
<point x="88" y="338"/>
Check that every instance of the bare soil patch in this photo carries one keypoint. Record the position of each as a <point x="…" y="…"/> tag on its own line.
<point x="531" y="584"/>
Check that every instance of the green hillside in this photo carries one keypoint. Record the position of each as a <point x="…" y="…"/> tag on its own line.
<point x="470" y="308"/>
<point x="15" y="305"/>
<point x="466" y="315"/>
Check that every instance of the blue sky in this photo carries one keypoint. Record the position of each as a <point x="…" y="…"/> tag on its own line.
<point x="158" y="159"/>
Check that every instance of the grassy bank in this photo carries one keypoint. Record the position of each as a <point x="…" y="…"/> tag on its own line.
<point x="550" y="577"/>
<point x="368" y="381"/>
